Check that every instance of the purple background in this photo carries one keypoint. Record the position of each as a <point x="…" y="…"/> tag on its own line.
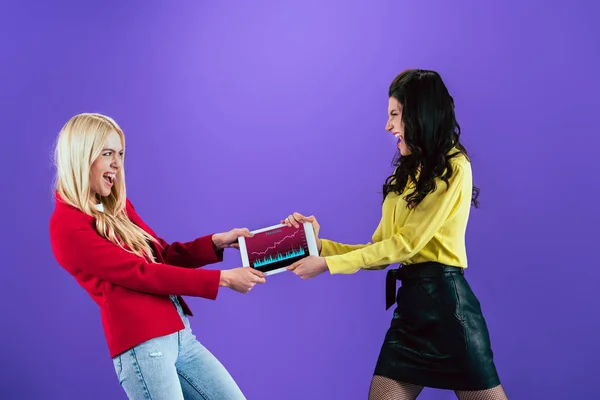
<point x="238" y="113"/>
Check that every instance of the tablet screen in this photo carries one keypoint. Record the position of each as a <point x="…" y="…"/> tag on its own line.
<point x="276" y="248"/>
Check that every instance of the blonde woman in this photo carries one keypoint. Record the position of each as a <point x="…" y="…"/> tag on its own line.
<point x="135" y="277"/>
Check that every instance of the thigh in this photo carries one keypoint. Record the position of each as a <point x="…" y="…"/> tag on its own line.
<point x="383" y="388"/>
<point x="496" y="393"/>
<point x="201" y="374"/>
<point x="148" y="370"/>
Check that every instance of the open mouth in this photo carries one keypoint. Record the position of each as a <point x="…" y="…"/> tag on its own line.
<point x="109" y="178"/>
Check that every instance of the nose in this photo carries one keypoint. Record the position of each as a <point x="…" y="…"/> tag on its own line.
<point x="389" y="126"/>
<point x="116" y="162"/>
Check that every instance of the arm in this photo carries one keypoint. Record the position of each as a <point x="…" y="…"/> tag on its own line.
<point x="420" y="227"/>
<point x="194" y="254"/>
<point x="331" y="248"/>
<point x="78" y="248"/>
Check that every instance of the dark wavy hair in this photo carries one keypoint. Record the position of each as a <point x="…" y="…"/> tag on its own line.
<point x="430" y="132"/>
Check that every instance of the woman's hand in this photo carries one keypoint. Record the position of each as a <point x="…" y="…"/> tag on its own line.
<point x="242" y="279"/>
<point x="296" y="219"/>
<point x="230" y="239"/>
<point x="309" y="267"/>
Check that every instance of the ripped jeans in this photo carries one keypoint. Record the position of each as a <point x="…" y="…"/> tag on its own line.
<point x="174" y="367"/>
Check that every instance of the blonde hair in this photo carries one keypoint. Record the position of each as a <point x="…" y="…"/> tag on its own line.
<point x="79" y="143"/>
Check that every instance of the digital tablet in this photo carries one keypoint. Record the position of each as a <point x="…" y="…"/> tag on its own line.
<point x="276" y="247"/>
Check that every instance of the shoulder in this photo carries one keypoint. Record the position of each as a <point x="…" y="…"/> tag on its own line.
<point x="129" y="204"/>
<point x="67" y="223"/>
<point x="461" y="175"/>
<point x="66" y="216"/>
<point x="130" y="211"/>
<point x="461" y="166"/>
<point x="129" y="208"/>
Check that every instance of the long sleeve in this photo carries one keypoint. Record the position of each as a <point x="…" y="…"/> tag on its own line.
<point x="194" y="254"/>
<point x="79" y="249"/>
<point x="420" y="227"/>
<point x="331" y="248"/>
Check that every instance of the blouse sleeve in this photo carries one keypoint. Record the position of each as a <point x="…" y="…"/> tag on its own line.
<point x="421" y="225"/>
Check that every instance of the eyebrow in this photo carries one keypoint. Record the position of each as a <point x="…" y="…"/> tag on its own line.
<point x="113" y="150"/>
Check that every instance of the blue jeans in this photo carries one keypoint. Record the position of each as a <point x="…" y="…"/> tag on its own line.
<point x="174" y="367"/>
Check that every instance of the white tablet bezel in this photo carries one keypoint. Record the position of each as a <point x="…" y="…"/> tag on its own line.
<point x="311" y="241"/>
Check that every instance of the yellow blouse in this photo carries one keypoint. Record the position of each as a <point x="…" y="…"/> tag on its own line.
<point x="433" y="231"/>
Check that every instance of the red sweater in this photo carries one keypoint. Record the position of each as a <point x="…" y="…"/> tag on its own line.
<point x="132" y="293"/>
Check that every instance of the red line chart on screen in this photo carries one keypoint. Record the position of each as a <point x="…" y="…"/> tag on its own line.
<point x="281" y="245"/>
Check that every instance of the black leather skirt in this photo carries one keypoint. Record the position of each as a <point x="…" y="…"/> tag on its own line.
<point x="438" y="336"/>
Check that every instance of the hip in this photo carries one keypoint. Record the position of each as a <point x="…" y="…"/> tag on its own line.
<point x="433" y="291"/>
<point x="128" y="322"/>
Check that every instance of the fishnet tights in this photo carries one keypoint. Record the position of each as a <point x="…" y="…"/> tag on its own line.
<point x="496" y="393"/>
<point x="389" y="389"/>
